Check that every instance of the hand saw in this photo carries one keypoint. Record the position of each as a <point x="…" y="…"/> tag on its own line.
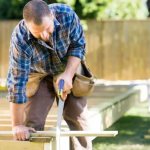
<point x="59" y="113"/>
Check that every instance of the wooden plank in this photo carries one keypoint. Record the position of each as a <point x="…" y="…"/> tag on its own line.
<point x="66" y="133"/>
<point x="8" y="127"/>
<point x="26" y="145"/>
<point x="8" y="121"/>
<point x="23" y="145"/>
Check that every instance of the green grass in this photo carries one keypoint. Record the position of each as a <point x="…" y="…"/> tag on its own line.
<point x="131" y="127"/>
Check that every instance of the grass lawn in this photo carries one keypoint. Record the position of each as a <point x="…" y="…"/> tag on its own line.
<point x="131" y="127"/>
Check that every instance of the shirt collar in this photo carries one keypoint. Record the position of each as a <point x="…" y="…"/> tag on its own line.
<point x="56" y="23"/>
<point x="29" y="35"/>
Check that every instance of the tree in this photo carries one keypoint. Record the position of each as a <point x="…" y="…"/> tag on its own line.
<point x="86" y="9"/>
<point x="109" y="9"/>
<point x="12" y="9"/>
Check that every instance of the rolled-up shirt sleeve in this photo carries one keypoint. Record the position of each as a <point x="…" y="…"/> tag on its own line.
<point x="77" y="44"/>
<point x="19" y="65"/>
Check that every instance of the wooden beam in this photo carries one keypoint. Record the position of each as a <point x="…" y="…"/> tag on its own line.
<point x="20" y="145"/>
<point x="66" y="133"/>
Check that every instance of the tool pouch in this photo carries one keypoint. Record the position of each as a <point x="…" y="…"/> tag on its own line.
<point x="33" y="83"/>
<point x="83" y="84"/>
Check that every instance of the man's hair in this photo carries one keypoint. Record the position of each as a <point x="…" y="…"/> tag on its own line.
<point x="35" y="10"/>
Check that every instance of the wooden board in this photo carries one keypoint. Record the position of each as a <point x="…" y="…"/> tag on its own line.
<point x="17" y="145"/>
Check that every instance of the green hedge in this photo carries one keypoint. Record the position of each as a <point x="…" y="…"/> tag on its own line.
<point x="86" y="9"/>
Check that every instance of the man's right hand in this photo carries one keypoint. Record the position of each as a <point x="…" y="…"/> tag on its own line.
<point x="22" y="132"/>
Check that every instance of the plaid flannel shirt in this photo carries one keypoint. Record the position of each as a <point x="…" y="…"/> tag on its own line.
<point x="30" y="55"/>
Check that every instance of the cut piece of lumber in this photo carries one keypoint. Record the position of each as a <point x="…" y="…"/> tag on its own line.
<point x="21" y="145"/>
<point x="66" y="133"/>
<point x="76" y="133"/>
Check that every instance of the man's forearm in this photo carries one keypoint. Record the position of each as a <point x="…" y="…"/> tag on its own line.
<point x="17" y="113"/>
<point x="72" y="65"/>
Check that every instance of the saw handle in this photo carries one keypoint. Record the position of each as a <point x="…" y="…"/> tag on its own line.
<point x="60" y="87"/>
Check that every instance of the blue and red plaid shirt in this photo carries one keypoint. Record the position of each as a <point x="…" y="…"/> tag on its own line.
<point x="31" y="55"/>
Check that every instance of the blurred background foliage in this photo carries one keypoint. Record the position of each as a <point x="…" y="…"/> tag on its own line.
<point x="86" y="9"/>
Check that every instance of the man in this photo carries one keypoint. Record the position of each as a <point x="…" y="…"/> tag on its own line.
<point x="49" y="40"/>
<point x="148" y="7"/>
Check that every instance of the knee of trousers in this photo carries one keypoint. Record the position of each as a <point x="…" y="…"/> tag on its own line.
<point x="76" y="119"/>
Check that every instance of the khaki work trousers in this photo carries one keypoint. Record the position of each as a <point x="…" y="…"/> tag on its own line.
<point x="75" y="113"/>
